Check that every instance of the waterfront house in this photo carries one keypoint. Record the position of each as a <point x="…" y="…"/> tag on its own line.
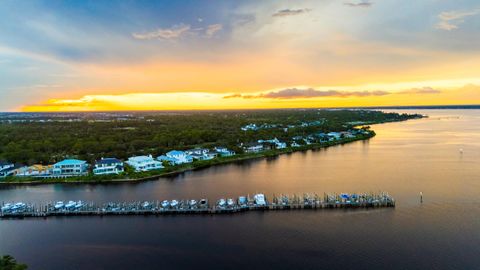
<point x="224" y="152"/>
<point x="169" y="160"/>
<point x="144" y="163"/>
<point x="276" y="142"/>
<point x="108" y="166"/>
<point x="253" y="148"/>
<point x="70" y="167"/>
<point x="295" y="144"/>
<point x="6" y="169"/>
<point x="5" y="164"/>
<point x="201" y="154"/>
<point x="334" y="135"/>
<point x="197" y="151"/>
<point x="36" y="170"/>
<point x="180" y="157"/>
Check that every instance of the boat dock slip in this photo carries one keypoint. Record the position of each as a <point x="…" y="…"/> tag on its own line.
<point x="259" y="202"/>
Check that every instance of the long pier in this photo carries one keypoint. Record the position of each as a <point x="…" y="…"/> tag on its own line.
<point x="258" y="202"/>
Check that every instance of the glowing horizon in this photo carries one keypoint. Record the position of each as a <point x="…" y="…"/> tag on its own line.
<point x="237" y="55"/>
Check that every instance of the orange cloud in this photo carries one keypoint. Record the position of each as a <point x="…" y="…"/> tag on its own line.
<point x="469" y="94"/>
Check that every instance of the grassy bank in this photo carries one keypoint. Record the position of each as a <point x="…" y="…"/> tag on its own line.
<point x="130" y="176"/>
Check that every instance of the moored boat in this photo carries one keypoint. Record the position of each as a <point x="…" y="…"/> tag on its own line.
<point x="165" y="204"/>
<point x="6" y="207"/>
<point x="70" y="204"/>
<point x="221" y="203"/>
<point x="58" y="205"/>
<point x="174" y="203"/>
<point x="260" y="199"/>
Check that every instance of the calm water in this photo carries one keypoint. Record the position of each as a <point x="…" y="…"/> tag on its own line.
<point x="403" y="159"/>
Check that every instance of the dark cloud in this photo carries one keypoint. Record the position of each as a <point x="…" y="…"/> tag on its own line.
<point x="290" y="12"/>
<point x="364" y="4"/>
<point x="291" y="93"/>
<point x="423" y="90"/>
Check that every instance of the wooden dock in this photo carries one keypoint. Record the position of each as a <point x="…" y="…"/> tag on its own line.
<point x="242" y="204"/>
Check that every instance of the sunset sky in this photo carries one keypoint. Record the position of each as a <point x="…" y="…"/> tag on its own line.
<point x="164" y="55"/>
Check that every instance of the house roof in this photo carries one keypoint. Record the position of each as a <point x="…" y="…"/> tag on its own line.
<point x="140" y="158"/>
<point x="166" y="158"/>
<point x="175" y="153"/>
<point x="108" y="161"/>
<point x="71" y="162"/>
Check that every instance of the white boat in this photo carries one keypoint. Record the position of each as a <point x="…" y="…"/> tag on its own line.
<point x="70" y="204"/>
<point x="165" y="204"/>
<point x="260" y="199"/>
<point x="79" y="204"/>
<point x="59" y="205"/>
<point x="192" y="203"/>
<point x="145" y="204"/>
<point x="221" y="202"/>
<point x="18" y="206"/>
<point x="203" y="202"/>
<point x="174" y="203"/>
<point x="6" y="207"/>
<point x="230" y="202"/>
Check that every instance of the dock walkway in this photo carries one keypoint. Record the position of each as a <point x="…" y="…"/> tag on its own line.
<point x="223" y="206"/>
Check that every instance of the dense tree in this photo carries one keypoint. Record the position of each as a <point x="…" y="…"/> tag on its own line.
<point x="47" y="138"/>
<point x="7" y="262"/>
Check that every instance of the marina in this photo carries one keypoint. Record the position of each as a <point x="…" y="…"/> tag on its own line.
<point x="258" y="202"/>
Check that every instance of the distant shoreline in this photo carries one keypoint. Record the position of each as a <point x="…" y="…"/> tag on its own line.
<point x="399" y="107"/>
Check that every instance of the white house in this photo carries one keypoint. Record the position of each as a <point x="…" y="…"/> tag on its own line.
<point x="179" y="156"/>
<point x="201" y="154"/>
<point x="253" y="148"/>
<point x="144" y="163"/>
<point x="108" y="166"/>
<point x="70" y="167"/>
<point x="6" y="168"/>
<point x="224" y="152"/>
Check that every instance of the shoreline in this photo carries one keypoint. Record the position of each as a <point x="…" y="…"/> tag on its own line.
<point x="192" y="166"/>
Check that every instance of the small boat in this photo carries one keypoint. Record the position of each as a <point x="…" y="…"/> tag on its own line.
<point x="242" y="200"/>
<point x="174" y="203"/>
<point x="203" y="202"/>
<point x="165" y="204"/>
<point x="59" y="205"/>
<point x="230" y="203"/>
<point x="192" y="203"/>
<point x="145" y="204"/>
<point x="221" y="203"/>
<point x="6" y="207"/>
<point x="345" y="196"/>
<point x="70" y="204"/>
<point x="79" y="204"/>
<point x="18" y="206"/>
<point x="259" y="199"/>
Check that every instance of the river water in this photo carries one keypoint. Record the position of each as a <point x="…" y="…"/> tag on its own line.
<point x="405" y="158"/>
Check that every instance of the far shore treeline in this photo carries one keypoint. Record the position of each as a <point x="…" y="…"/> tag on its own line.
<point x="46" y="138"/>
